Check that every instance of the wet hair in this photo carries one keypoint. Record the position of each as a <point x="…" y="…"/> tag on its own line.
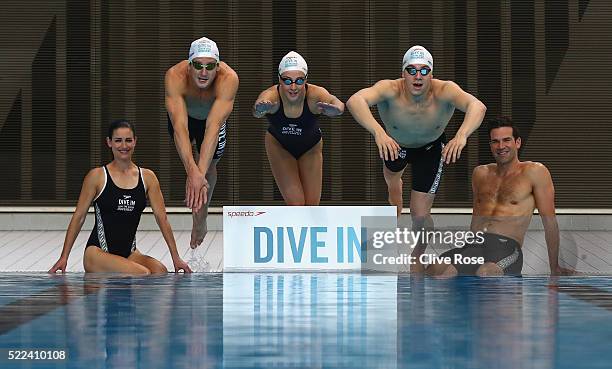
<point x="503" y="121"/>
<point x="120" y="123"/>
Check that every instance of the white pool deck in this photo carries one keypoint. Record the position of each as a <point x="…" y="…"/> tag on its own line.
<point x="36" y="251"/>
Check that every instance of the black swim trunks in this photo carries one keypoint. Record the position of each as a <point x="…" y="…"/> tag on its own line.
<point x="501" y="250"/>
<point x="197" y="128"/>
<point x="427" y="164"/>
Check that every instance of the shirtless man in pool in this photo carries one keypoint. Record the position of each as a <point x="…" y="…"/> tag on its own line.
<point x="505" y="195"/>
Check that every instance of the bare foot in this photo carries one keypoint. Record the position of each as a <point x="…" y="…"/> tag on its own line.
<point x="199" y="230"/>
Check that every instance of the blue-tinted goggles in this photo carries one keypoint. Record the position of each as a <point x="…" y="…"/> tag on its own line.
<point x="413" y="71"/>
<point x="288" y="81"/>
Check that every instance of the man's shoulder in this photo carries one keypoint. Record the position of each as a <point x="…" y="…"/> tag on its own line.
<point x="388" y="87"/>
<point x="394" y="84"/>
<point x="226" y="80"/>
<point x="227" y="73"/>
<point x="534" y="169"/>
<point x="533" y="166"/>
<point x="440" y="83"/>
<point x="442" y="88"/>
<point x="175" y="76"/>
<point x="483" y="169"/>
<point x="177" y="69"/>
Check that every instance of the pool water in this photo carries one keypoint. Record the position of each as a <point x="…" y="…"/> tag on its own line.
<point x="322" y="320"/>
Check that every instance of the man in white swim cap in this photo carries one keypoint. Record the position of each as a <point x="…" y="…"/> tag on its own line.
<point x="200" y="93"/>
<point x="415" y="110"/>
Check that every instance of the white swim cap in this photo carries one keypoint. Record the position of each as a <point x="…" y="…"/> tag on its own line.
<point x="292" y="61"/>
<point x="417" y="55"/>
<point x="203" y="48"/>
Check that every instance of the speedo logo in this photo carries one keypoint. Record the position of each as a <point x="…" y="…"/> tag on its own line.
<point x="232" y="214"/>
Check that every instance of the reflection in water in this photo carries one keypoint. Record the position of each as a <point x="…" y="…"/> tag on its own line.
<point x="471" y="322"/>
<point x="166" y="322"/>
<point x="309" y="321"/>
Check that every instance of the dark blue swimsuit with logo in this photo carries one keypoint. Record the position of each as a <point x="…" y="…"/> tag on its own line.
<point x="118" y="213"/>
<point x="296" y="135"/>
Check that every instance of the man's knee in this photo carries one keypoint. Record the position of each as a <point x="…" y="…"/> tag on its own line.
<point x="439" y="269"/>
<point x="421" y="222"/>
<point x="420" y="203"/>
<point x="446" y="271"/>
<point x="489" y="269"/>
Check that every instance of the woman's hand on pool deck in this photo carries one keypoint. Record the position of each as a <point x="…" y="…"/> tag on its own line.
<point x="179" y="265"/>
<point x="59" y="265"/>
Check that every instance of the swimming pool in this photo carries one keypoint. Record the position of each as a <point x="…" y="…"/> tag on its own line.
<point x="306" y="321"/>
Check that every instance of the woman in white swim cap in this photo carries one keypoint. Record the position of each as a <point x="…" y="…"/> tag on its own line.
<point x="293" y="141"/>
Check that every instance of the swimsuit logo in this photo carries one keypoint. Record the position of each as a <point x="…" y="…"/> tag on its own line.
<point x="402" y="153"/>
<point x="126" y="204"/>
<point x="292" y="130"/>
